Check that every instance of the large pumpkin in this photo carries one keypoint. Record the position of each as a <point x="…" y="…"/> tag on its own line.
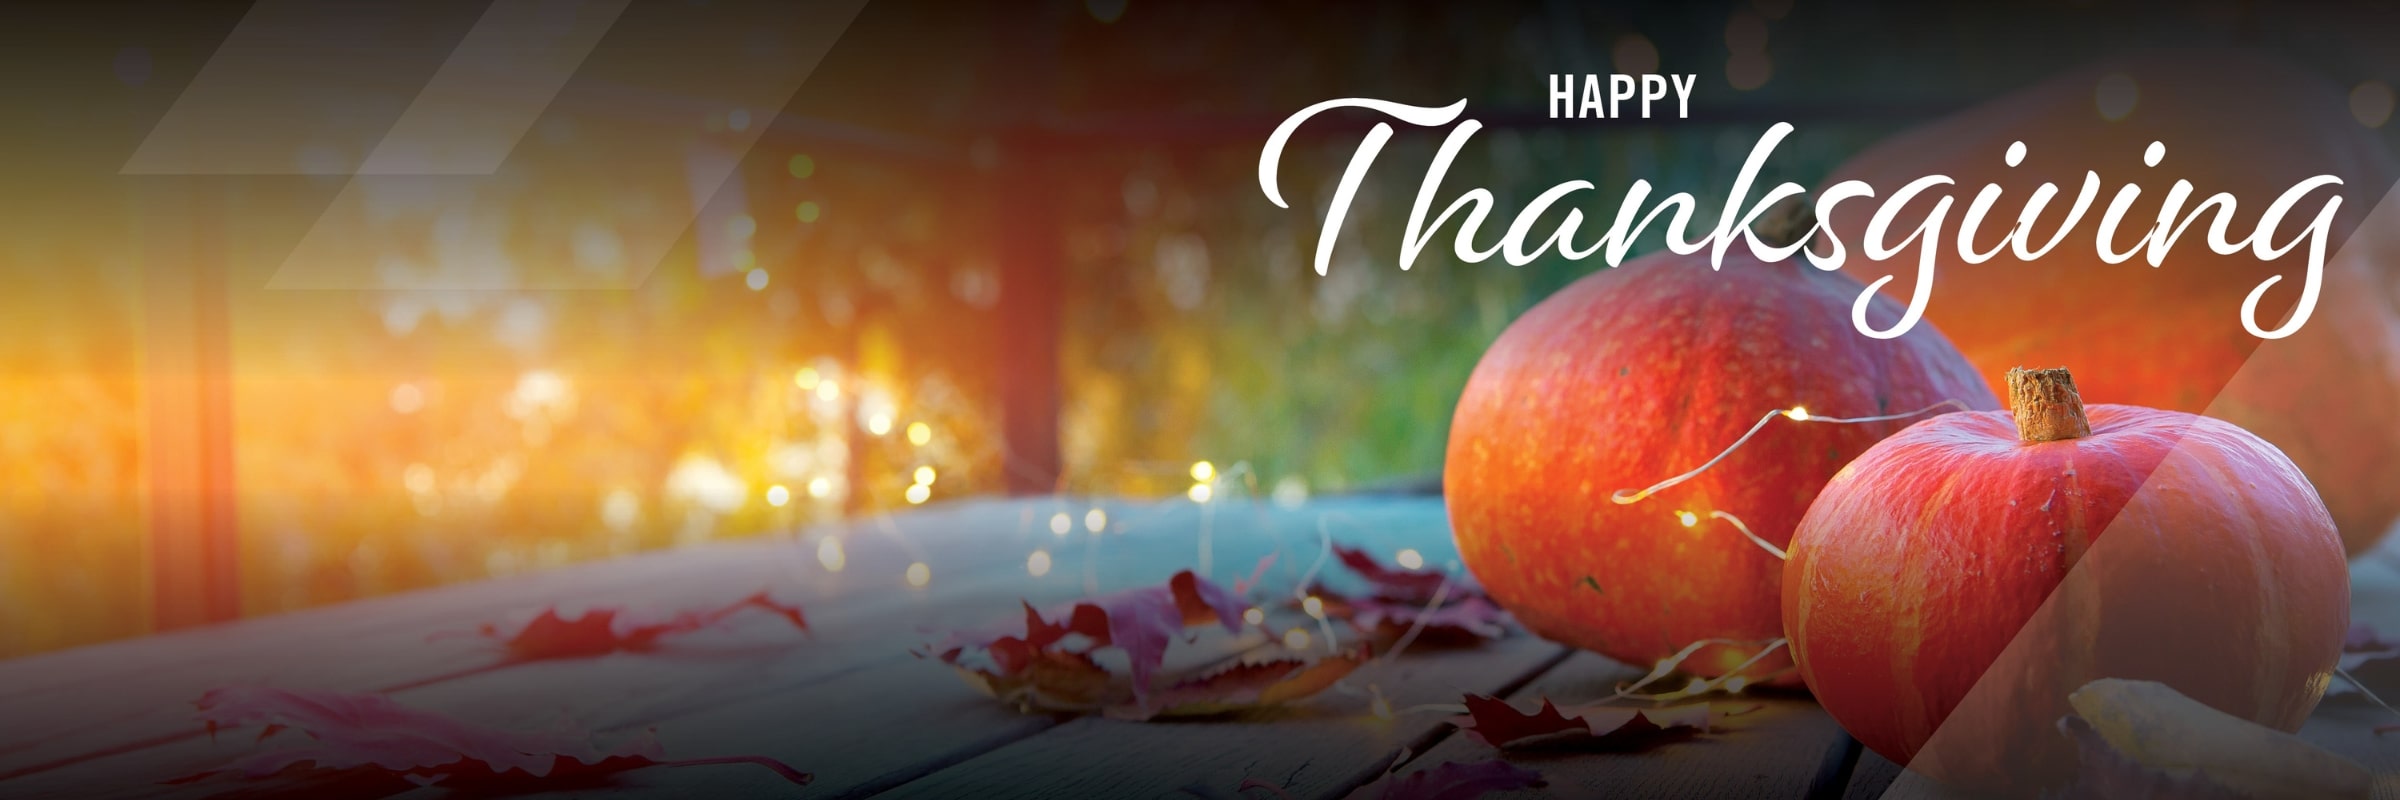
<point x="1953" y="585"/>
<point x="1634" y="374"/>
<point x="2171" y="337"/>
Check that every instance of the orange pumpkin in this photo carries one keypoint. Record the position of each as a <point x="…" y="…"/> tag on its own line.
<point x="2171" y="337"/>
<point x="1633" y="374"/>
<point x="1951" y="587"/>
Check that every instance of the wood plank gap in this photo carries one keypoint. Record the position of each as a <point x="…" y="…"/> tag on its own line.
<point x="1425" y="743"/>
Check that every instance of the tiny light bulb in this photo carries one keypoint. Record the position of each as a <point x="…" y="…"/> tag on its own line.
<point x="1059" y="524"/>
<point x="1095" y="520"/>
<point x="1697" y="686"/>
<point x="828" y="390"/>
<point x="924" y="475"/>
<point x="806" y="378"/>
<point x="1254" y="616"/>
<point x="879" y="424"/>
<point x="1296" y="639"/>
<point x="919" y="433"/>
<point x="1202" y="471"/>
<point x="919" y="574"/>
<point x="1199" y="493"/>
<point x="1798" y="413"/>
<point x="1314" y="606"/>
<point x="829" y="553"/>
<point x="1038" y="564"/>
<point x="777" y="495"/>
<point x="1411" y="559"/>
<point x="1736" y="683"/>
<point x="820" y="488"/>
<point x="1689" y="519"/>
<point x="917" y="494"/>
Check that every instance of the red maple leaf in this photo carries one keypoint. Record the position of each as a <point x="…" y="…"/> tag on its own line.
<point x="1403" y="585"/>
<point x="368" y="743"/>
<point x="1496" y="723"/>
<point x="601" y="631"/>
<point x="1140" y="622"/>
<point x="1247" y="686"/>
<point x="1471" y="617"/>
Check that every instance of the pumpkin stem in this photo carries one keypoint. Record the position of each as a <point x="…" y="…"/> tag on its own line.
<point x="1787" y="223"/>
<point x="2047" y="406"/>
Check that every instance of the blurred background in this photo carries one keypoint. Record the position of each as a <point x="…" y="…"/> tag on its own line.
<point x="979" y="249"/>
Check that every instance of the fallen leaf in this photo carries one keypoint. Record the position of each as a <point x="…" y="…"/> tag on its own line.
<point x="601" y="631"/>
<point x="1459" y="618"/>
<point x="1494" y="722"/>
<point x="369" y="744"/>
<point x="2102" y="773"/>
<point x="1402" y="585"/>
<point x="1140" y="622"/>
<point x="2363" y="645"/>
<point x="1449" y="781"/>
<point x="2157" y="728"/>
<point x="1247" y="686"/>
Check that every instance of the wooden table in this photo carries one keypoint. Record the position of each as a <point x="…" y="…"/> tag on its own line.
<point x="852" y="704"/>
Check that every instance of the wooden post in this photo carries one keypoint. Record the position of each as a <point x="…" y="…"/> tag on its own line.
<point x="1027" y="237"/>
<point x="188" y="394"/>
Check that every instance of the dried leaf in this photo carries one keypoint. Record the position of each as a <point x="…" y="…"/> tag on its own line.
<point x="2363" y="645"/>
<point x="2153" y="726"/>
<point x="1458" y="618"/>
<point x="601" y="631"/>
<point x="1140" y="622"/>
<point x="1397" y="584"/>
<point x="2102" y="773"/>
<point x="360" y="744"/>
<point x="1243" y="687"/>
<point x="1496" y="723"/>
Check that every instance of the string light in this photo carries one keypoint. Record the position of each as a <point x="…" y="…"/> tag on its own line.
<point x="829" y="553"/>
<point x="1203" y="471"/>
<point x="777" y="495"/>
<point x="917" y="494"/>
<point x="807" y="379"/>
<point x="1094" y="520"/>
<point x="919" y="433"/>
<point x="1409" y="558"/>
<point x="828" y="390"/>
<point x="1688" y="519"/>
<point x="1038" y="564"/>
<point x="1313" y="606"/>
<point x="1295" y="639"/>
<point x="1199" y="493"/>
<point x="924" y="476"/>
<point x="1255" y="616"/>
<point x="1625" y="497"/>
<point x="919" y="574"/>
<point x="879" y="424"/>
<point x="820" y="488"/>
<point x="1060" y="524"/>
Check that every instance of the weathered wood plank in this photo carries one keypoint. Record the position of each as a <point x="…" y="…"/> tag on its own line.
<point x="1775" y="751"/>
<point x="867" y="633"/>
<point x="1323" y="747"/>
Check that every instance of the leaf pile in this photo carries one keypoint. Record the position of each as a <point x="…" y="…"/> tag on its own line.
<point x="1050" y="665"/>
<point x="601" y="631"/>
<point x="1400" y="600"/>
<point x="371" y="745"/>
<point x="1494" y="722"/>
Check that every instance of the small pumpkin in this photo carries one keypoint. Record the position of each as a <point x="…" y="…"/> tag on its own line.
<point x="1634" y="374"/>
<point x="2171" y="336"/>
<point x="1950" y="588"/>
